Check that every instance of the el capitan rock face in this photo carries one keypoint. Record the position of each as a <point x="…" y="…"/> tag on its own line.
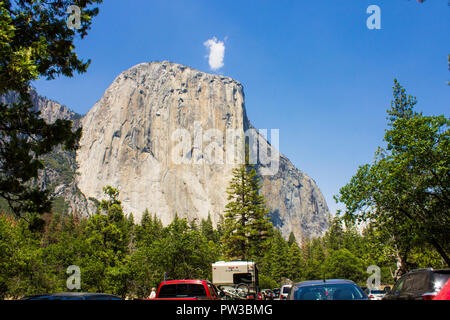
<point x="128" y="142"/>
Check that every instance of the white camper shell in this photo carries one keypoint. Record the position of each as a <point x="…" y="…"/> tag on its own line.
<point x="234" y="273"/>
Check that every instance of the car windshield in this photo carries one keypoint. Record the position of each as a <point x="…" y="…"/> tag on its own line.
<point x="377" y="292"/>
<point x="286" y="289"/>
<point x="328" y="292"/>
<point x="182" y="290"/>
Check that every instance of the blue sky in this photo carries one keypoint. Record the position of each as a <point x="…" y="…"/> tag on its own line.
<point x="311" y="69"/>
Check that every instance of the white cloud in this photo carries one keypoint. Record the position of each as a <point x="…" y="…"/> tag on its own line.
<point x="216" y="53"/>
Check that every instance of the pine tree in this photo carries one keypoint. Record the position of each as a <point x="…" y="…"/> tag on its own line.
<point x="276" y="259"/>
<point x="246" y="225"/>
<point x="207" y="229"/>
<point x="291" y="239"/>
<point x="295" y="262"/>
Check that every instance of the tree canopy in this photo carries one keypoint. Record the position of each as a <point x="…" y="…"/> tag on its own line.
<point x="35" y="42"/>
<point x="405" y="191"/>
<point x="247" y="226"/>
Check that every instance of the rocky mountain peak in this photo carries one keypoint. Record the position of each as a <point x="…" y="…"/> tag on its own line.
<point x="132" y="135"/>
<point x="161" y="134"/>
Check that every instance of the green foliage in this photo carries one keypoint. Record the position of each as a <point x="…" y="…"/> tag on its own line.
<point x="120" y="257"/>
<point x="59" y="205"/>
<point x="208" y="231"/>
<point x="342" y="263"/>
<point x="246" y="226"/>
<point x="35" y="42"/>
<point x="59" y="161"/>
<point x="184" y="253"/>
<point x="266" y="282"/>
<point x="405" y="192"/>
<point x="274" y="264"/>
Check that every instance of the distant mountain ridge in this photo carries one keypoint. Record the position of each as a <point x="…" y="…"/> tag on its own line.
<point x="60" y="167"/>
<point x="50" y="109"/>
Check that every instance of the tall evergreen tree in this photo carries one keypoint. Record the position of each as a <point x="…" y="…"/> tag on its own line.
<point x="291" y="238"/>
<point x="295" y="262"/>
<point x="275" y="262"/>
<point x="207" y="229"/>
<point x="246" y="225"/>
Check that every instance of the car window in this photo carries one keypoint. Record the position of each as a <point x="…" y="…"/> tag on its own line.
<point x="286" y="290"/>
<point x="377" y="292"/>
<point x="212" y="291"/>
<point x="420" y="282"/>
<point x="416" y="282"/>
<point x="182" y="290"/>
<point x="345" y="291"/>
<point x="409" y="283"/>
<point x="399" y="285"/>
<point x="242" y="278"/>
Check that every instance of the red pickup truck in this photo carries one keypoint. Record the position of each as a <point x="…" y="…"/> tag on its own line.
<point x="187" y="290"/>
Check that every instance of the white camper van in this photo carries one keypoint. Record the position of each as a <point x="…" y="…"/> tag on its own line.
<point x="235" y="273"/>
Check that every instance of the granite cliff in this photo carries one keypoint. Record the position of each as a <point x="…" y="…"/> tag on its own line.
<point x="161" y="134"/>
<point x="154" y="112"/>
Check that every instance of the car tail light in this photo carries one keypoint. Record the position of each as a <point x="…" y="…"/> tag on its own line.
<point x="371" y="297"/>
<point x="428" y="296"/>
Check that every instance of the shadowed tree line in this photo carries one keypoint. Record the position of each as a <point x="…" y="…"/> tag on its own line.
<point x="117" y="255"/>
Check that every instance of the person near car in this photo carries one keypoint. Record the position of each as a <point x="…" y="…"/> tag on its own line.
<point x="153" y="294"/>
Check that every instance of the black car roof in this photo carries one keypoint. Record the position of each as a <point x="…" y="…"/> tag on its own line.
<point x="429" y="270"/>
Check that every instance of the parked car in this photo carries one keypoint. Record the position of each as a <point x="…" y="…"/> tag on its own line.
<point x="332" y="289"/>
<point x="420" y="284"/>
<point x="284" y="291"/>
<point x="267" y="294"/>
<point x="276" y="293"/>
<point x="73" y="296"/>
<point x="375" y="294"/>
<point x="187" y="290"/>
